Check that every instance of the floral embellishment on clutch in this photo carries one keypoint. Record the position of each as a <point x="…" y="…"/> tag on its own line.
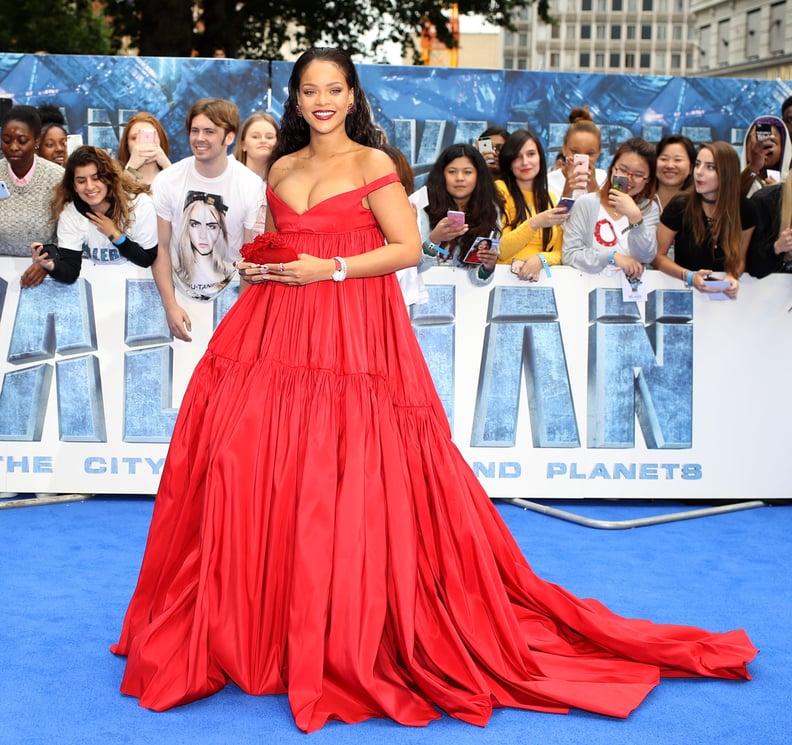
<point x="268" y="248"/>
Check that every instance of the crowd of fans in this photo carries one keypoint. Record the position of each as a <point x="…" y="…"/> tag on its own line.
<point x="688" y="210"/>
<point x="696" y="212"/>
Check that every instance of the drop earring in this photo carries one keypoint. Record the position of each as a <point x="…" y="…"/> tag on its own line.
<point x="350" y="108"/>
<point x="298" y="111"/>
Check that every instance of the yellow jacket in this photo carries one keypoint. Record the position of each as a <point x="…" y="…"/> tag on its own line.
<point x="522" y="242"/>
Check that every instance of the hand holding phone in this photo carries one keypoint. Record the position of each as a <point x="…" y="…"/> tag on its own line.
<point x="146" y="136"/>
<point x="764" y="131"/>
<point x="580" y="174"/>
<point x="580" y="163"/>
<point x="484" y="144"/>
<point x="455" y="217"/>
<point x="4" y="193"/>
<point x="566" y="203"/>
<point x="620" y="183"/>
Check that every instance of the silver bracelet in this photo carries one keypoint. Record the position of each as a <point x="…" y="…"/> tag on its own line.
<point x="339" y="275"/>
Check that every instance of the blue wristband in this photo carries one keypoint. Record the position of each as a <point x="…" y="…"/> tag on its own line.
<point x="689" y="279"/>
<point x="427" y="246"/>
<point x="610" y="257"/>
<point x="545" y="265"/>
<point x="118" y="241"/>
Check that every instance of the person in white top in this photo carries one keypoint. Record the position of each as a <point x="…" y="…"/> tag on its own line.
<point x="583" y="139"/>
<point x="103" y="214"/>
<point x="616" y="228"/>
<point x="207" y="205"/>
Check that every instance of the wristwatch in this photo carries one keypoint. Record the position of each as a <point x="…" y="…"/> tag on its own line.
<point x="339" y="275"/>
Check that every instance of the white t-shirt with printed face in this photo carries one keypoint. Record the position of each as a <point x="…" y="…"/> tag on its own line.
<point x="77" y="233"/>
<point x="208" y="218"/>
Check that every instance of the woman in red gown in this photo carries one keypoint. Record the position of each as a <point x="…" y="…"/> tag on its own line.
<point x="316" y="531"/>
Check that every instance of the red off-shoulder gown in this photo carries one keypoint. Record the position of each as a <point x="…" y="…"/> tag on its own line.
<point x="317" y="532"/>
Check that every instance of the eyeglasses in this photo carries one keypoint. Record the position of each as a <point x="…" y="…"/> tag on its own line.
<point x="636" y="177"/>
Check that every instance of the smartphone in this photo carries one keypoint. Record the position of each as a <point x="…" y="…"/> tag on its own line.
<point x="484" y="143"/>
<point x="73" y="142"/>
<point x="50" y="250"/>
<point x="566" y="203"/>
<point x="458" y="218"/>
<point x="763" y="130"/>
<point x="580" y="163"/>
<point x="4" y="193"/>
<point x="619" y="183"/>
<point x="146" y="136"/>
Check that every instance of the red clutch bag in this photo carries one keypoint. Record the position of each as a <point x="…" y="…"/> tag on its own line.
<point x="268" y="248"/>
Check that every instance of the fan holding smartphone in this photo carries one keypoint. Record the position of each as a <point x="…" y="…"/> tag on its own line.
<point x="766" y="154"/>
<point x="700" y="225"/>
<point x="615" y="227"/>
<point x="144" y="147"/>
<point x="102" y="212"/>
<point x="463" y="207"/>
<point x="581" y="149"/>
<point x="531" y="240"/>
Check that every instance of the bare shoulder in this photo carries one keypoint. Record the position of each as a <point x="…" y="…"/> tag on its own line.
<point x="375" y="164"/>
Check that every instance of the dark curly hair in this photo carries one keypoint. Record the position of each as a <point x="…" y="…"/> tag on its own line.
<point x="484" y="206"/>
<point x="295" y="133"/>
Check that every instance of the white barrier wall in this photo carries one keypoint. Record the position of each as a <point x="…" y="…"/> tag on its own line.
<point x="557" y="389"/>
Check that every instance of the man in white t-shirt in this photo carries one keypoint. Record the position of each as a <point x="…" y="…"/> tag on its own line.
<point x="207" y="205"/>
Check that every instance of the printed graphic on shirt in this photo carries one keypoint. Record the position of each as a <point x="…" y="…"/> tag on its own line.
<point x="201" y="264"/>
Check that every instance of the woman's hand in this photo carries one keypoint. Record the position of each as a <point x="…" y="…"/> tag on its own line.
<point x="701" y="284"/>
<point x="103" y="223"/>
<point x="40" y="258"/>
<point x="631" y="267"/>
<point x="33" y="276"/>
<point x="548" y="218"/>
<point x="305" y="270"/>
<point x="625" y="205"/>
<point x="784" y="244"/>
<point x="446" y="230"/>
<point x="488" y="258"/>
<point x="758" y="151"/>
<point x="577" y="179"/>
<point x="529" y="271"/>
<point x="142" y="154"/>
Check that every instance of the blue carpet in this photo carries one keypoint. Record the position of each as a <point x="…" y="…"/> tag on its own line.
<point x="67" y="571"/>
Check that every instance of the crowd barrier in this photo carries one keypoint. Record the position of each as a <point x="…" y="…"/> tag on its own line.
<point x="556" y="389"/>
